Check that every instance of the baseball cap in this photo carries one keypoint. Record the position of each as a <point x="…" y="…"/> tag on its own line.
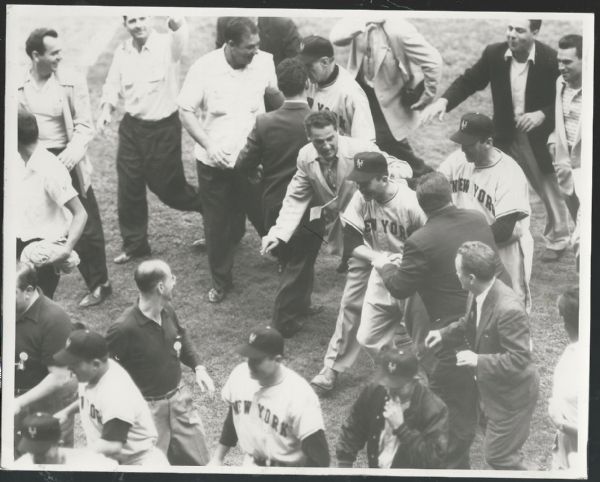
<point x="367" y="165"/>
<point x="40" y="431"/>
<point x="314" y="47"/>
<point x="82" y="345"/>
<point x="397" y="365"/>
<point x="262" y="342"/>
<point x="473" y="127"/>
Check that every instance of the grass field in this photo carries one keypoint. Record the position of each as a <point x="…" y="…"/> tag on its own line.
<point x="217" y="330"/>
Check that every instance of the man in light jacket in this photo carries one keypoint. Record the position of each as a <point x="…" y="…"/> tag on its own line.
<point x="399" y="71"/>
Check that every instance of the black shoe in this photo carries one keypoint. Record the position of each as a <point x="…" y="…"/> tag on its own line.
<point x="97" y="296"/>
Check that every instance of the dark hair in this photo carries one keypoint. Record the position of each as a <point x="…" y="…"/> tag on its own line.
<point x="148" y="274"/>
<point x="35" y="41"/>
<point x="572" y="41"/>
<point x="568" y="307"/>
<point x="291" y="77"/>
<point x="237" y="28"/>
<point x="535" y="25"/>
<point x="320" y="119"/>
<point x="27" y="128"/>
<point x="433" y="191"/>
<point x="479" y="259"/>
<point x="26" y="276"/>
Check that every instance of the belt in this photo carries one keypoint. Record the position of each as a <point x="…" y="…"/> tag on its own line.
<point x="151" y="123"/>
<point x="166" y="396"/>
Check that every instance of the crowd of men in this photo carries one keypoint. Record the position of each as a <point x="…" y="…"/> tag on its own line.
<point x="437" y="263"/>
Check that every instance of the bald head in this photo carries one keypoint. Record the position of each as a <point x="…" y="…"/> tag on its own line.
<point x="149" y="274"/>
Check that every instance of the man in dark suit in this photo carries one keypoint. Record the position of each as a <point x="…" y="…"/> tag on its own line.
<point x="522" y="75"/>
<point x="273" y="144"/>
<point x="495" y="331"/>
<point x="427" y="268"/>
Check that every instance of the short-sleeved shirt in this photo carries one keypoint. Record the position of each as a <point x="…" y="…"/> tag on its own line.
<point x="346" y="99"/>
<point x="271" y="422"/>
<point x="147" y="80"/>
<point x="152" y="353"/>
<point x="115" y="396"/>
<point x="44" y="187"/>
<point x="495" y="191"/>
<point x="386" y="226"/>
<point x="227" y="99"/>
<point x="40" y="332"/>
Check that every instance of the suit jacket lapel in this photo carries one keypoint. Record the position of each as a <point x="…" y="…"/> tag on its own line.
<point x="486" y="312"/>
<point x="505" y="81"/>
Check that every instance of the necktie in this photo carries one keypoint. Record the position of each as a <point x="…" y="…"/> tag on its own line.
<point x="471" y="326"/>
<point x="330" y="173"/>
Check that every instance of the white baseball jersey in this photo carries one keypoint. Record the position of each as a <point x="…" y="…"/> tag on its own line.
<point x="385" y="227"/>
<point x="495" y="190"/>
<point x="271" y="422"/>
<point x="348" y="101"/>
<point x="115" y="395"/>
<point x="80" y="458"/>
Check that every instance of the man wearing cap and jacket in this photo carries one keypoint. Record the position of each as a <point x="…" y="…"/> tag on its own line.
<point x="115" y="417"/>
<point x="402" y="422"/>
<point x="150" y="343"/>
<point x="486" y="179"/>
<point x="399" y="70"/>
<point x="40" y="444"/>
<point x="333" y="88"/>
<point x="273" y="412"/>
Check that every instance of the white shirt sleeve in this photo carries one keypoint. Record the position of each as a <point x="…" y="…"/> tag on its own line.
<point x="308" y="418"/>
<point x="179" y="40"/>
<point x="512" y="193"/>
<point x="112" y="84"/>
<point x="191" y="97"/>
<point x="57" y="183"/>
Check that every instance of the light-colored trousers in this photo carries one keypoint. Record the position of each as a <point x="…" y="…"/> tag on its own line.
<point x="517" y="258"/>
<point x="556" y="232"/>
<point x="180" y="430"/>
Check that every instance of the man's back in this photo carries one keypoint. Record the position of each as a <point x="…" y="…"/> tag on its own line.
<point x="428" y="263"/>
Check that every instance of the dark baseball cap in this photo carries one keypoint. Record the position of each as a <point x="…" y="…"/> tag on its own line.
<point x="473" y="127"/>
<point x="367" y="165"/>
<point x="397" y="365"/>
<point x="82" y="345"/>
<point x="263" y="342"/>
<point x="38" y="433"/>
<point x="314" y="47"/>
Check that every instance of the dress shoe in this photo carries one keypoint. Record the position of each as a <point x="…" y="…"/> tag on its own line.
<point x="324" y="382"/>
<point x="97" y="296"/>
<point x="290" y="329"/>
<point x="552" y="255"/>
<point x="199" y="243"/>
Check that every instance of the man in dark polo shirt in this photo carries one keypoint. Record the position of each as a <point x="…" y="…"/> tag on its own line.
<point x="42" y="328"/>
<point x="150" y="344"/>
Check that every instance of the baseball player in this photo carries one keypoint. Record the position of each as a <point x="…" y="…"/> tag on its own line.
<point x="380" y="216"/>
<point x="119" y="427"/>
<point x="334" y="89"/>
<point x="273" y="412"/>
<point x="486" y="179"/>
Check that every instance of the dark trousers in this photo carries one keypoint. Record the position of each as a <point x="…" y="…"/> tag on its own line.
<point x="386" y="141"/>
<point x="47" y="276"/>
<point x="456" y="387"/>
<point x="298" y="256"/>
<point x="91" y="245"/>
<point x="149" y="154"/>
<point x="227" y="197"/>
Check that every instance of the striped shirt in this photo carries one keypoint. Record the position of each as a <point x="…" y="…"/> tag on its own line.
<point x="571" y="105"/>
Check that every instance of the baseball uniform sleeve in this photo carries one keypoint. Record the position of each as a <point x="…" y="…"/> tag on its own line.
<point x="228" y="436"/>
<point x="512" y="193"/>
<point x="115" y="430"/>
<point x="447" y="166"/>
<point x="308" y="418"/>
<point x="228" y="389"/>
<point x="405" y="280"/>
<point x="114" y="408"/>
<point x="353" y="215"/>
<point x="192" y="97"/>
<point x="357" y="109"/>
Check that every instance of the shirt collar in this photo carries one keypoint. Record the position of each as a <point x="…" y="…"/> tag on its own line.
<point x="564" y="85"/>
<point x="142" y="319"/>
<point x="480" y="298"/>
<point x="508" y="54"/>
<point x="34" y="311"/>
<point x="149" y="45"/>
<point x="37" y="158"/>
<point x="342" y="151"/>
